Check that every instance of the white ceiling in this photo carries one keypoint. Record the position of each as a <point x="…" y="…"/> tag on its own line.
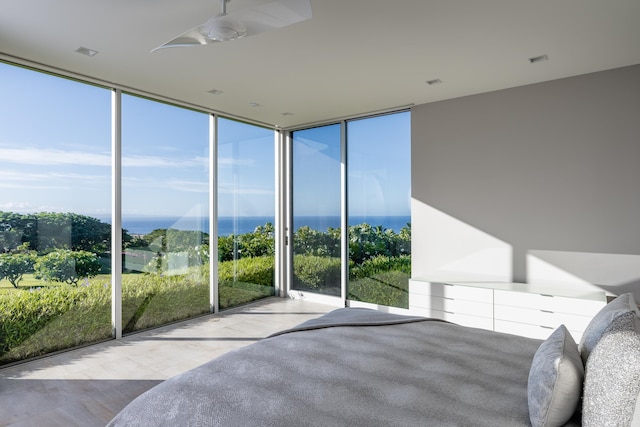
<point x="352" y="57"/>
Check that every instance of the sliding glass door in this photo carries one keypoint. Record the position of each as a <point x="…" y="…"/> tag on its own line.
<point x="379" y="182"/>
<point x="316" y="201"/>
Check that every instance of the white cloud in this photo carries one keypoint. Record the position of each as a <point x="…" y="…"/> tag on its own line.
<point x="52" y="157"/>
<point x="16" y="206"/>
<point x="47" y="181"/>
<point x="189" y="186"/>
<point x="230" y="161"/>
<point x="39" y="156"/>
<point x="9" y="175"/>
<point x="149" y="161"/>
<point x="230" y="189"/>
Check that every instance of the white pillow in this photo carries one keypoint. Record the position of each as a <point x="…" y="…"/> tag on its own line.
<point x="555" y="380"/>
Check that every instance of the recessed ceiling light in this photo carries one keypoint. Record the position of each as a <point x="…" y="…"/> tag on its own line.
<point x="540" y="58"/>
<point x="87" y="51"/>
<point x="216" y="92"/>
<point x="434" y="82"/>
<point x="254" y="104"/>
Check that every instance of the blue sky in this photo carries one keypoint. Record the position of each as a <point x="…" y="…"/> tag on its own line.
<point x="55" y="155"/>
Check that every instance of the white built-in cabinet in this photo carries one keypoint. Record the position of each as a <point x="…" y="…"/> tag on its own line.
<point x="515" y="308"/>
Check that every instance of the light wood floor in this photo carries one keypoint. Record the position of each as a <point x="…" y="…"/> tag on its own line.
<point x="88" y="386"/>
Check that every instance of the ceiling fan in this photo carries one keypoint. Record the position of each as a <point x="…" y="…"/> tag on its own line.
<point x="243" y="23"/>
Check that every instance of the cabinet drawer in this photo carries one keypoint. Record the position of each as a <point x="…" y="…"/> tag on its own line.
<point x="444" y="290"/>
<point x="525" y="330"/>
<point x="546" y="318"/>
<point x="453" y="305"/>
<point x="457" y="318"/>
<point x="532" y="331"/>
<point x="464" y="319"/>
<point x="583" y="307"/>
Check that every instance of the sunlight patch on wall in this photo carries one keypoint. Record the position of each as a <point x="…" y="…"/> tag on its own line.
<point x="445" y="248"/>
<point x="614" y="273"/>
<point x="541" y="272"/>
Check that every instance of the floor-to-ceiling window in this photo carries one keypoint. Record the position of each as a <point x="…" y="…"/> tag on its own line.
<point x="316" y="201"/>
<point x="55" y="205"/>
<point x="55" y="196"/>
<point x="165" y="199"/>
<point x="246" y="212"/>
<point x="379" y="183"/>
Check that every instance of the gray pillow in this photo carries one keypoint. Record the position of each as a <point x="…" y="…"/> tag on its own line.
<point x="555" y="380"/>
<point x="601" y="321"/>
<point x="612" y="376"/>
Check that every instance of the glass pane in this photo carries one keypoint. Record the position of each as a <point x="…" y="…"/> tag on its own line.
<point x="55" y="196"/>
<point x="165" y="195"/>
<point x="316" y="210"/>
<point x="246" y="213"/>
<point x="379" y="153"/>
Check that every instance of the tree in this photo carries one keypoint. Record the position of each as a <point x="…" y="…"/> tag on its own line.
<point x="13" y="225"/>
<point x="258" y="243"/>
<point x="67" y="266"/>
<point x="71" y="231"/>
<point x="9" y="240"/>
<point x="47" y="231"/>
<point x="14" y="266"/>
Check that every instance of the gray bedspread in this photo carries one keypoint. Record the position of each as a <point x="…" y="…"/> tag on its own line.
<point x="352" y="367"/>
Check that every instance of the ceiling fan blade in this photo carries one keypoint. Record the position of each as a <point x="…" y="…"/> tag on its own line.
<point x="193" y="37"/>
<point x="252" y="21"/>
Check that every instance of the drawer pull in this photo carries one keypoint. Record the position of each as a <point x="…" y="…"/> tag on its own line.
<point x="546" y="327"/>
<point x="546" y="295"/>
<point x="547" y="311"/>
<point x="449" y="298"/>
<point x="449" y="312"/>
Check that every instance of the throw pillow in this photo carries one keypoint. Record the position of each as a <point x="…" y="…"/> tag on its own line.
<point x="601" y="321"/>
<point x="555" y="380"/>
<point x="612" y="376"/>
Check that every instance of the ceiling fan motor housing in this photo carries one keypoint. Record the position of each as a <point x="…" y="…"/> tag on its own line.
<point x="223" y="28"/>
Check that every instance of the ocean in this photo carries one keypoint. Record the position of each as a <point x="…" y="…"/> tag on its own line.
<point x="241" y="225"/>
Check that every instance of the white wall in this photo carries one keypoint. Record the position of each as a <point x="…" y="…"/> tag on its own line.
<point x="538" y="184"/>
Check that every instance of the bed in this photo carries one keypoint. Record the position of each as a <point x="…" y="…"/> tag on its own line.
<point x="361" y="367"/>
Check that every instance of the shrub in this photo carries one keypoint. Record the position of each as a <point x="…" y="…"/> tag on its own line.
<point x="315" y="272"/>
<point x="259" y="243"/>
<point x="367" y="242"/>
<point x="380" y="264"/>
<point x="67" y="266"/>
<point x="386" y="288"/>
<point x="24" y="312"/>
<point x="308" y="241"/>
<point x="153" y="300"/>
<point x="173" y="263"/>
<point x="232" y="294"/>
<point x="258" y="270"/>
<point x="256" y="244"/>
